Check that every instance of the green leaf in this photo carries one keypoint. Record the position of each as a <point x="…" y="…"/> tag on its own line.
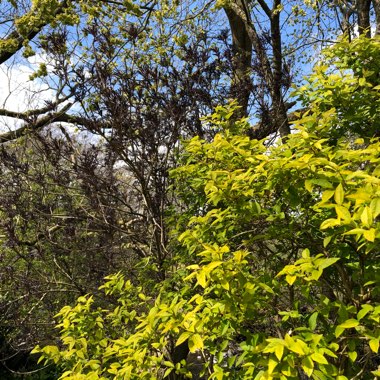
<point x="313" y="321"/>
<point x="257" y="208"/>
<point x="328" y="262"/>
<point x="168" y="372"/>
<point x="225" y="284"/>
<point x="327" y="240"/>
<point x="364" y="311"/>
<point x="231" y="361"/>
<point x="266" y="288"/>
<point x="323" y="183"/>
<point x="259" y="375"/>
<point x="338" y="331"/>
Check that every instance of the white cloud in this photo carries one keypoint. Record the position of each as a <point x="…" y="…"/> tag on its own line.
<point x="18" y="93"/>
<point x="355" y="31"/>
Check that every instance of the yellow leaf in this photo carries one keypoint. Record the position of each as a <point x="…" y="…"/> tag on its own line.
<point x="327" y="194"/>
<point x="239" y="256"/>
<point x="279" y="351"/>
<point x="374" y="344"/>
<point x="80" y="354"/>
<point x="297" y="347"/>
<point x="375" y="207"/>
<point x="355" y="231"/>
<point x="329" y="223"/>
<point x="343" y="213"/>
<point x="339" y="194"/>
<point x="367" y="217"/>
<point x="271" y="365"/>
<point x="290" y="279"/>
<point x="308" y="365"/>
<point x="209" y="267"/>
<point x="349" y="324"/>
<point x="359" y="197"/>
<point x="309" y="186"/>
<point x="185" y="335"/>
<point x="195" y="343"/>
<point x="326" y="241"/>
<point x="319" y="358"/>
<point x="352" y="355"/>
<point x="201" y="278"/>
<point x="225" y="284"/>
<point x="167" y="372"/>
<point x="370" y="234"/>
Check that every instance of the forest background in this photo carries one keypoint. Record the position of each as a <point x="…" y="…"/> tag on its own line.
<point x="250" y="251"/>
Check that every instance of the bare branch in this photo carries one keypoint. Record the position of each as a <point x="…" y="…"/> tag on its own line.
<point x="51" y="106"/>
<point x="31" y="126"/>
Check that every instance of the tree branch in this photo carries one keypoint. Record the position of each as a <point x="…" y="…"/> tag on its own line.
<point x="264" y="129"/>
<point x="20" y="39"/>
<point x="265" y="8"/>
<point x="30" y="126"/>
<point x="51" y="106"/>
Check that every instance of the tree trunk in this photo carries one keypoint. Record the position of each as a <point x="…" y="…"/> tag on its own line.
<point x="363" y="9"/>
<point x="242" y="51"/>
<point x="245" y="40"/>
<point x="278" y="106"/>
<point x="376" y="7"/>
